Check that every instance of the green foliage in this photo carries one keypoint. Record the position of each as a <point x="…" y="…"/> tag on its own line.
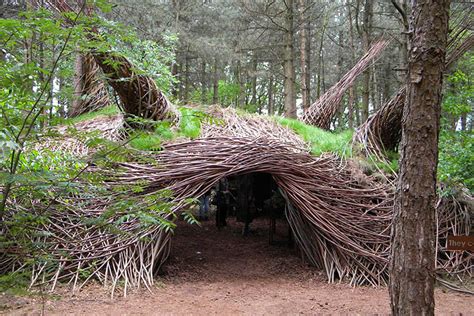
<point x="154" y="59"/>
<point x="15" y="283"/>
<point x="228" y="92"/>
<point x="147" y="141"/>
<point x="456" y="147"/>
<point x="456" y="158"/>
<point x="190" y="123"/>
<point x="321" y="141"/>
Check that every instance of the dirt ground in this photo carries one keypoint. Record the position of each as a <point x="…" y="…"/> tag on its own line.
<point x="213" y="272"/>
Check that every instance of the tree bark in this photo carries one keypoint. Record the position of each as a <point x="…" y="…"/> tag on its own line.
<point x="270" y="95"/>
<point x="305" y="53"/>
<point x="203" y="82"/>
<point x="366" y="40"/>
<point x="412" y="266"/>
<point x="288" y="64"/>
<point x="185" y="93"/>
<point x="352" y="96"/>
<point x="215" y="83"/>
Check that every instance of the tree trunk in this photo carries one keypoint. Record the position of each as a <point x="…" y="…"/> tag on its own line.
<point x="288" y="64"/>
<point x="185" y="94"/>
<point x="412" y="266"/>
<point x="203" y="82"/>
<point x="366" y="40"/>
<point x="270" y="95"/>
<point x="463" y="121"/>
<point x="215" y="83"/>
<point x="254" y="79"/>
<point x="352" y="97"/>
<point x="305" y="53"/>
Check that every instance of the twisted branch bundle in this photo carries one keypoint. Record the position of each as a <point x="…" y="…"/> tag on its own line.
<point x="382" y="130"/>
<point x="321" y="112"/>
<point x="138" y="93"/>
<point x="81" y="249"/>
<point x="92" y="93"/>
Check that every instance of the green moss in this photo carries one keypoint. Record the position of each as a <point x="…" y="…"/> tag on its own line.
<point x="107" y="111"/>
<point x="321" y="141"/>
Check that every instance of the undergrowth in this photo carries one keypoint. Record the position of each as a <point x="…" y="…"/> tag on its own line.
<point x="15" y="283"/>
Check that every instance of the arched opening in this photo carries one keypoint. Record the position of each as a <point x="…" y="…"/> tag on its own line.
<point x="245" y="228"/>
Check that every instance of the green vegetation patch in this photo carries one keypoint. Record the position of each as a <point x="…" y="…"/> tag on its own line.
<point x="107" y="111"/>
<point x="190" y="122"/>
<point x="321" y="141"/>
<point x="189" y="127"/>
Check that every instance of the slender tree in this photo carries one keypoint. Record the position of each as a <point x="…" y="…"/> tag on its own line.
<point x="288" y="62"/>
<point x="412" y="264"/>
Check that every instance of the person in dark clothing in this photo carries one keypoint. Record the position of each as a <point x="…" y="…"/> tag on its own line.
<point x="204" y="206"/>
<point x="222" y="202"/>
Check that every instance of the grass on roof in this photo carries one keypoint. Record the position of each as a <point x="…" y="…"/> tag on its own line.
<point x="321" y="141"/>
<point x="189" y="127"/>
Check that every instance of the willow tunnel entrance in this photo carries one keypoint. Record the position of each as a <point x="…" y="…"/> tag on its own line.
<point x="246" y="198"/>
<point x="245" y="225"/>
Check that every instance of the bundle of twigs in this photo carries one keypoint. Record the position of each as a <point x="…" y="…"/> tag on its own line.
<point x="382" y="130"/>
<point x="139" y="95"/>
<point x="342" y="226"/>
<point x="455" y="217"/>
<point x="73" y="139"/>
<point x="227" y="122"/>
<point x="78" y="243"/>
<point x="321" y="112"/>
<point x="340" y="221"/>
<point x="90" y="91"/>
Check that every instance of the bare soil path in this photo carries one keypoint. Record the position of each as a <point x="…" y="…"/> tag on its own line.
<point x="215" y="272"/>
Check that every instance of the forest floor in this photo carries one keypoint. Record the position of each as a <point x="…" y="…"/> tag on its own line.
<point x="222" y="272"/>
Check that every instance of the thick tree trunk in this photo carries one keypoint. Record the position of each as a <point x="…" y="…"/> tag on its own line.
<point x="288" y="64"/>
<point x="412" y="266"/>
